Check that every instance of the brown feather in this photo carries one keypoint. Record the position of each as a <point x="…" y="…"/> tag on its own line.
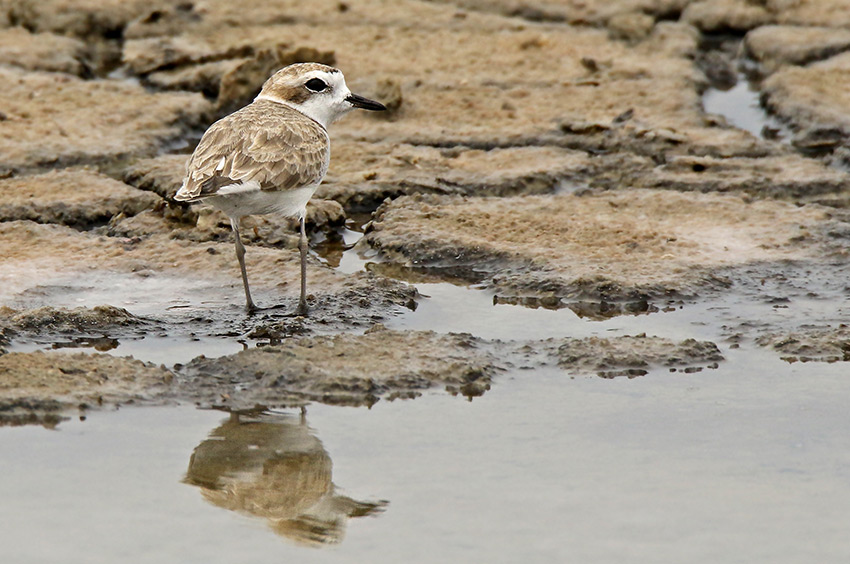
<point x="271" y="143"/>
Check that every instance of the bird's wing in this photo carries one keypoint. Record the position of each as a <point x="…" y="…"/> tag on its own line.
<point x="273" y="148"/>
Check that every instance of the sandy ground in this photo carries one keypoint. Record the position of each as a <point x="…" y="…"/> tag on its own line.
<point x="75" y="197"/>
<point x="557" y="152"/>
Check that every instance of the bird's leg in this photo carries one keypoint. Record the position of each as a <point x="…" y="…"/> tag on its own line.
<point x="302" y="246"/>
<point x="240" y="255"/>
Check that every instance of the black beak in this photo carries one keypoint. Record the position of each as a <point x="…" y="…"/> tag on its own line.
<point x="365" y="103"/>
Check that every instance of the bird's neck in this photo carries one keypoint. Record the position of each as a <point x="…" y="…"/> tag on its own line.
<point x="318" y="117"/>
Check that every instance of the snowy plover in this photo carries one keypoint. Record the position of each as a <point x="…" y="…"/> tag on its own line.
<point x="270" y="156"/>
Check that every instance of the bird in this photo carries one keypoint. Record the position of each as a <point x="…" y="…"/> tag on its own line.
<point x="270" y="156"/>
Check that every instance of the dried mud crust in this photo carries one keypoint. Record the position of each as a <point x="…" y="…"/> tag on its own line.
<point x="718" y="16"/>
<point x="559" y="87"/>
<point x="609" y="247"/>
<point x="547" y="73"/>
<point x="162" y="174"/>
<point x="41" y="387"/>
<point x="81" y="18"/>
<point x="814" y="100"/>
<point x="723" y="16"/>
<point x="606" y="114"/>
<point x="74" y="197"/>
<point x="52" y="119"/>
<point x="43" y="51"/>
<point x="362" y="175"/>
<point x="776" y="45"/>
<point x="789" y="177"/>
<point x="572" y="11"/>
<point x="708" y="15"/>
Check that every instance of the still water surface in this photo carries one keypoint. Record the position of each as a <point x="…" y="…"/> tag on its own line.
<point x="747" y="463"/>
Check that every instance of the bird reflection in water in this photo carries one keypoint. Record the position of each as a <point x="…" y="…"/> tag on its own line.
<point x="270" y="465"/>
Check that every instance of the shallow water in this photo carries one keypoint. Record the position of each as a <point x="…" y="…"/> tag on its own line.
<point x="159" y="350"/>
<point x="169" y="303"/>
<point x="748" y="463"/>
<point x="741" y="107"/>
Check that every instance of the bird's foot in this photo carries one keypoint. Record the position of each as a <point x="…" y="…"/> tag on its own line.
<point x="252" y="309"/>
<point x="302" y="309"/>
<point x="299" y="312"/>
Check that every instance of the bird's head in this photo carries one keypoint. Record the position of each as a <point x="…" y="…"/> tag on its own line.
<point x="318" y="91"/>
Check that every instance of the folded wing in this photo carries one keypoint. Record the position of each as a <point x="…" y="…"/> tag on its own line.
<point x="265" y="146"/>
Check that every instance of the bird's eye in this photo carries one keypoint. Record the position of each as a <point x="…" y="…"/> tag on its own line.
<point x="315" y="84"/>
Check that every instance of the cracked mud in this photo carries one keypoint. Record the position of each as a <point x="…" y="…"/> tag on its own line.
<point x="556" y="154"/>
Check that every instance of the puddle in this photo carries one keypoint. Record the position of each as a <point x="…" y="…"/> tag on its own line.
<point x="159" y="350"/>
<point x="339" y="254"/>
<point x="174" y="308"/>
<point x="142" y="296"/>
<point x="447" y="308"/>
<point x="271" y="466"/>
<point x="741" y="108"/>
<point x="746" y="463"/>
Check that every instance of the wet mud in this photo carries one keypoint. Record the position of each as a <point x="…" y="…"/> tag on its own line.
<point x="62" y="321"/>
<point x="43" y="388"/>
<point x="634" y="356"/>
<point x="811" y="344"/>
<point x="556" y="154"/>
<point x="294" y="369"/>
<point x="344" y="369"/>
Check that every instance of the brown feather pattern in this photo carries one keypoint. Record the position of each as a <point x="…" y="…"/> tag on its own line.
<point x="271" y="143"/>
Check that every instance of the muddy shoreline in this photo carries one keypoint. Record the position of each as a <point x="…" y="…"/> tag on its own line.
<point x="557" y="155"/>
